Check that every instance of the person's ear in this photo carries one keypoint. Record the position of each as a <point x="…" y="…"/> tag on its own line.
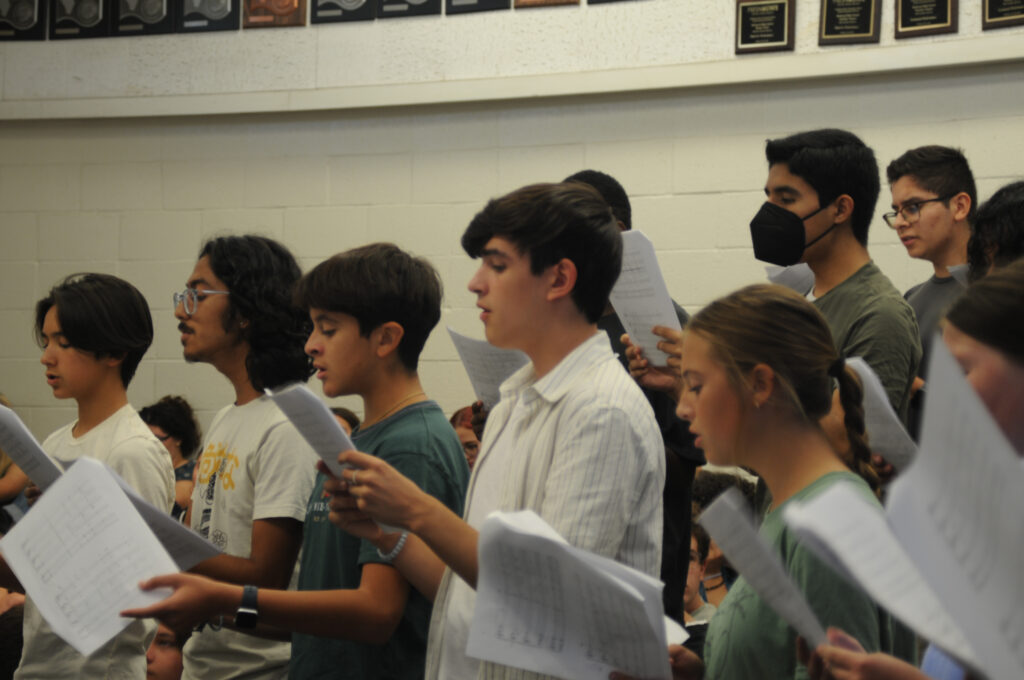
<point x="762" y="384"/>
<point x="844" y="208"/>
<point x="563" y="277"/>
<point x="961" y="206"/>
<point x="386" y="338"/>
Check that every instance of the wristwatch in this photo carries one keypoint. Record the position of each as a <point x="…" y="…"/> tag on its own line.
<point x="248" y="613"/>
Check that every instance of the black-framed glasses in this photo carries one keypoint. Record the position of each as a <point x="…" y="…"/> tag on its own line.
<point x="911" y="212"/>
<point x="190" y="296"/>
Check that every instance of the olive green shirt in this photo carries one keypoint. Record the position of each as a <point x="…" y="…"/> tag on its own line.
<point x="870" y="319"/>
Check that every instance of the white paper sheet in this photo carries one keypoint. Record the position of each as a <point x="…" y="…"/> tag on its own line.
<point x="728" y="521"/>
<point x="957" y="510"/>
<point x="186" y="547"/>
<point x="798" y="277"/>
<point x="81" y="553"/>
<point x="315" y="422"/>
<point x="886" y="433"/>
<point x="640" y="297"/>
<point x="24" y="450"/>
<point x="487" y="366"/>
<point x="549" y="607"/>
<point x="843" y="528"/>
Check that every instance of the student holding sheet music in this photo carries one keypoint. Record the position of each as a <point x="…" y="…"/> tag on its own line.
<point x="354" y="614"/>
<point x="983" y="331"/>
<point x="94" y="330"/>
<point x="572" y="437"/>
<point x="754" y="396"/>
<point x="256" y="471"/>
<point x="681" y="457"/>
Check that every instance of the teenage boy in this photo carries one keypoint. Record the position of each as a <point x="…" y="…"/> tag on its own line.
<point x="822" y="189"/>
<point x="94" y="330"/>
<point x="682" y="458"/>
<point x="933" y="202"/>
<point x="256" y="471"/>
<point x="372" y="310"/>
<point x="572" y="437"/>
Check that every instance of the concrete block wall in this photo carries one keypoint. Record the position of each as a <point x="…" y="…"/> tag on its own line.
<point x="136" y="197"/>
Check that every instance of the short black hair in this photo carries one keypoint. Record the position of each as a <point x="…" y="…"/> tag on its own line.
<point x="997" y="233"/>
<point x="103" y="315"/>
<point x="174" y="416"/>
<point x="942" y="170"/>
<point x="703" y="541"/>
<point x="375" y="284"/>
<point x="611" y="191"/>
<point x="261" y="274"/>
<point x="549" y="222"/>
<point x="834" y="162"/>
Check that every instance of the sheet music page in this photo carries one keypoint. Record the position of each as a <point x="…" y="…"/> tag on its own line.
<point x="25" y="451"/>
<point x="729" y="522"/>
<point x="186" y="547"/>
<point x="551" y="608"/>
<point x="798" y="277"/>
<point x="315" y="422"/>
<point x="80" y="554"/>
<point x="886" y="433"/>
<point x="957" y="510"/>
<point x="487" y="366"/>
<point x="840" y="525"/>
<point x="640" y="296"/>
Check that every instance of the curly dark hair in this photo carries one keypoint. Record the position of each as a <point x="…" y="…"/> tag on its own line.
<point x="174" y="416"/>
<point x="261" y="274"/>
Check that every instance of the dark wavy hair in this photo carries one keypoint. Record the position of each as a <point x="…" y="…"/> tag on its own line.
<point x="174" y="416"/>
<point x="101" y="314"/>
<point x="611" y="191"/>
<point x="261" y="274"/>
<point x="549" y="222"/>
<point x="834" y="162"/>
<point x="997" y="233"/>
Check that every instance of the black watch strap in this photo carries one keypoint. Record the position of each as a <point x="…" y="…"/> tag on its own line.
<point x="248" y="614"/>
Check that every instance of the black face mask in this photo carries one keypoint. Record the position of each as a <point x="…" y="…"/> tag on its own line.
<point x="778" y="235"/>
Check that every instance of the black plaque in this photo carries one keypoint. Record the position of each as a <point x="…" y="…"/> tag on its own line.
<point x="466" y="6"/>
<point x="78" y="19"/>
<point x="925" y="17"/>
<point x="387" y="9"/>
<point x="141" y="17"/>
<point x="210" y="15"/>
<point x="329" y="11"/>
<point x="999" y="13"/>
<point x="850" y="21"/>
<point x="764" y="25"/>
<point x="23" y="20"/>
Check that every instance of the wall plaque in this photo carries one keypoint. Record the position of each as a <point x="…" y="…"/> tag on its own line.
<point x="925" y="17"/>
<point x="764" y="25"/>
<point x="849" y="21"/>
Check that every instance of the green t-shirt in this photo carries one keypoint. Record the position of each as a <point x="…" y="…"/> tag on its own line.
<point x="419" y="443"/>
<point x="870" y="319"/>
<point x="747" y="639"/>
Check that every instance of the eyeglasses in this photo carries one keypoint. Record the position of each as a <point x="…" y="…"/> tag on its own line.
<point x="911" y="212"/>
<point x="190" y="296"/>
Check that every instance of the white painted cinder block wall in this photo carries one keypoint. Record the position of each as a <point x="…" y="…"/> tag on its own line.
<point x="136" y="197"/>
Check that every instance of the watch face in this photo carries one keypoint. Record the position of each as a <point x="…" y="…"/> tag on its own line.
<point x="246" y="618"/>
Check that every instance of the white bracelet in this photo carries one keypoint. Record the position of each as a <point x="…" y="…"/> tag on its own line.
<point x="390" y="556"/>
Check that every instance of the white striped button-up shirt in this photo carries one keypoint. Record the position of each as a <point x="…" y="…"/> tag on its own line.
<point x="583" y="451"/>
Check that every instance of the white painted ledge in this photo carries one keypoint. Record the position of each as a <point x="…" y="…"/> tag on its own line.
<point x="905" y="56"/>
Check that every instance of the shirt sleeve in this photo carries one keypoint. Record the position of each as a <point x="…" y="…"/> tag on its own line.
<point x="889" y="342"/>
<point x="146" y="466"/>
<point x="284" y="470"/>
